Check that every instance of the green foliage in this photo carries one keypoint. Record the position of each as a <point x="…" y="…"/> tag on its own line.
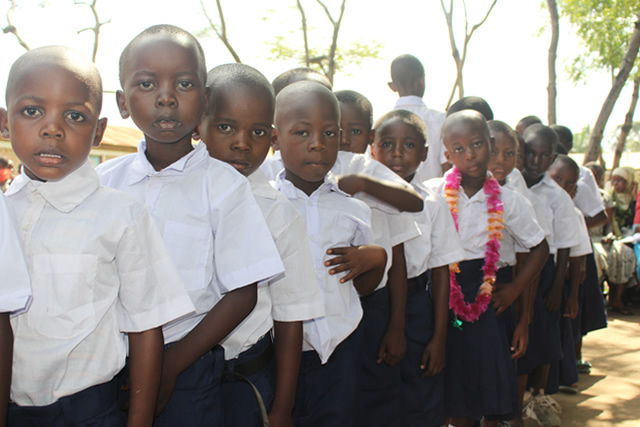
<point x="605" y="27"/>
<point x="632" y="144"/>
<point x="581" y="140"/>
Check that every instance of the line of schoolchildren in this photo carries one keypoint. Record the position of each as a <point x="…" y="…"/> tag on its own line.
<point x="202" y="297"/>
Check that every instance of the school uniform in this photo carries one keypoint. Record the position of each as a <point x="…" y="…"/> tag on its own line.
<point x="289" y="297"/>
<point x="326" y="385"/>
<point x="15" y="291"/>
<point x="587" y="197"/>
<point x="433" y="119"/>
<point x="219" y="241"/>
<point x="544" y="330"/>
<point x="422" y="399"/>
<point x="479" y="374"/>
<point x="98" y="269"/>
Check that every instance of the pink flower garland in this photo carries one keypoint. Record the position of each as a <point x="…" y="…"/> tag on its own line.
<point x="495" y="209"/>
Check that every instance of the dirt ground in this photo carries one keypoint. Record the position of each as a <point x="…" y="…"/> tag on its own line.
<point x="610" y="394"/>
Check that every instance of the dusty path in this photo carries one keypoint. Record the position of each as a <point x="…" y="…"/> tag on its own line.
<point x="610" y="395"/>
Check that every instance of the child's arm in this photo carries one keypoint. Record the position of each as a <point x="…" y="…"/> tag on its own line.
<point x="365" y="264"/>
<point x="217" y="324"/>
<point x="394" y="344"/>
<point x="145" y="367"/>
<point x="505" y="294"/>
<point x="599" y="219"/>
<point x="577" y="266"/>
<point x="403" y="198"/>
<point x="6" y="359"/>
<point x="433" y="357"/>
<point x="288" y="350"/>
<point x="553" y="298"/>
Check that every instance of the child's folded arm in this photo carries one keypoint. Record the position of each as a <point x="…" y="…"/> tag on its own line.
<point x="365" y="264"/>
<point x="404" y="198"/>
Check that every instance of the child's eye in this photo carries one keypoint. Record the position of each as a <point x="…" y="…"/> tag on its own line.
<point x="145" y="85"/>
<point x="386" y="144"/>
<point x="410" y="145"/>
<point x="225" y="128"/>
<point x="301" y="133"/>
<point x="185" y="84"/>
<point x="458" y="149"/>
<point x="259" y="132"/>
<point x="477" y="144"/>
<point x="31" y="112"/>
<point x="356" y="132"/>
<point x="330" y="133"/>
<point x="74" y="116"/>
<point x="510" y="153"/>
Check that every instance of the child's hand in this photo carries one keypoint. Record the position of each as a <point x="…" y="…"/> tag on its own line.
<point x="355" y="259"/>
<point x="571" y="307"/>
<point x="504" y="294"/>
<point x="520" y="340"/>
<point x="433" y="359"/>
<point x="280" y="419"/>
<point x="553" y="298"/>
<point x="167" y="385"/>
<point x="393" y="347"/>
<point x="351" y="184"/>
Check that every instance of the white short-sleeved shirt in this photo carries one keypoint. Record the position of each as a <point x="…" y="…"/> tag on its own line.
<point x="98" y="268"/>
<point x="209" y="220"/>
<point x="543" y="212"/>
<point x="15" y="289"/>
<point x="439" y="243"/>
<point x="291" y="296"/>
<point x="566" y="232"/>
<point x="588" y="198"/>
<point x="584" y="247"/>
<point x="432" y="167"/>
<point x="333" y="219"/>
<point x="519" y="221"/>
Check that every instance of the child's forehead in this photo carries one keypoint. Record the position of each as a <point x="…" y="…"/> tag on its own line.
<point x="539" y="142"/>
<point x="307" y="105"/>
<point x="163" y="42"/>
<point x="354" y="109"/>
<point x="467" y="126"/>
<point x="396" y="125"/>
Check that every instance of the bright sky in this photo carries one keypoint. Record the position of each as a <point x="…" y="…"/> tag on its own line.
<point x="506" y="64"/>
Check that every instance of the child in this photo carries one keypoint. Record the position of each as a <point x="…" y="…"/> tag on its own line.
<point x="356" y="121"/>
<point x="208" y="216"/>
<point x="407" y="80"/>
<point x="527" y="121"/>
<point x="400" y="144"/>
<point x="237" y="129"/>
<point x="540" y="152"/>
<point x="479" y="373"/>
<point x="299" y="74"/>
<point x="98" y="266"/>
<point x="16" y="294"/>
<point x="307" y="133"/>
<point x="472" y="103"/>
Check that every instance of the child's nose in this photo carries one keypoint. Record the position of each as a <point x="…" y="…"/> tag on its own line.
<point x="52" y="129"/>
<point x="241" y="142"/>
<point x="317" y="144"/>
<point x="166" y="98"/>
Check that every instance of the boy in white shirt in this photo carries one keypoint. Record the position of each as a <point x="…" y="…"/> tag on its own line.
<point x="97" y="263"/>
<point x="307" y="134"/>
<point x="210" y="221"/>
<point x="237" y="129"/>
<point x="14" y="294"/>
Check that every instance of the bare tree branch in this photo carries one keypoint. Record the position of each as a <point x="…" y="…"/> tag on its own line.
<point x="222" y="35"/>
<point x="303" y="17"/>
<point x="95" y="28"/>
<point x="628" y="123"/>
<point x="11" y="29"/>
<point x="334" y="40"/>
<point x="551" y="62"/>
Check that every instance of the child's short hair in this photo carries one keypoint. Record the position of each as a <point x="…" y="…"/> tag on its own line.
<point x="158" y="29"/>
<point x="544" y="132"/>
<point x="406" y="69"/>
<point x="497" y="126"/>
<point x="528" y="121"/>
<point x="472" y="103"/>
<point x="407" y="117"/>
<point x="357" y="100"/>
<point x="288" y="77"/>
<point x="565" y="136"/>
<point x="564" y="160"/>
<point x="240" y="74"/>
<point x="83" y="68"/>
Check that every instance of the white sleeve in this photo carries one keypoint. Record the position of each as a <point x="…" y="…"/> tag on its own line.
<point x="520" y="221"/>
<point x="588" y="198"/>
<point x="566" y="232"/>
<point x="584" y="247"/>
<point x="446" y="247"/>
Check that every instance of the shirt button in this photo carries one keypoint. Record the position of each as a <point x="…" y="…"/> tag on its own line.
<point x="309" y="203"/>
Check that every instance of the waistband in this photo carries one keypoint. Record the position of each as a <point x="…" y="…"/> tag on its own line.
<point x="252" y="360"/>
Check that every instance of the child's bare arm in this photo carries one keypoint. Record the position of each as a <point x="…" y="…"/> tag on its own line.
<point x="599" y="219"/>
<point x="145" y="367"/>
<point x="403" y="198"/>
<point x="394" y="344"/>
<point x="288" y="350"/>
<point x="576" y="269"/>
<point x="365" y="264"/>
<point x="553" y="298"/>
<point x="433" y="357"/>
<point x="6" y="358"/>
<point x="217" y="324"/>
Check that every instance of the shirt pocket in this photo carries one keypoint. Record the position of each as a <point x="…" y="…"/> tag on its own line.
<point x="64" y="295"/>
<point x="190" y="247"/>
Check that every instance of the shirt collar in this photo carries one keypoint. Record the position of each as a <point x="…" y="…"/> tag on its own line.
<point x="65" y="194"/>
<point x="141" y="168"/>
<point x="329" y="185"/>
<point x="409" y="100"/>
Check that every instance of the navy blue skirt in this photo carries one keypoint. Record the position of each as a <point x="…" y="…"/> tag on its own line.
<point x="593" y="314"/>
<point x="544" y="329"/>
<point x="480" y="374"/>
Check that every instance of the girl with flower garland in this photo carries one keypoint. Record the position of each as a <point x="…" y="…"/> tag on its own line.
<point x="479" y="374"/>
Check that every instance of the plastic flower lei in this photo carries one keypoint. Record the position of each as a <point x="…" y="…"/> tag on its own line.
<point x="495" y="209"/>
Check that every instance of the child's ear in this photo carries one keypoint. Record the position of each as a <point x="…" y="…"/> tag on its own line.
<point x="122" y="106"/>
<point x="275" y="139"/>
<point x="446" y="155"/>
<point x="392" y="86"/>
<point x="372" y="136"/>
<point x="207" y="93"/>
<point x="195" y="135"/>
<point x="4" y="124"/>
<point x="492" y="145"/>
<point x="426" y="151"/>
<point x="102" y="126"/>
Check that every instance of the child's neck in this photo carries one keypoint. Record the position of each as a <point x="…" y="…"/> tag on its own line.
<point x="306" y="187"/>
<point x="161" y="155"/>
<point x="471" y="185"/>
<point x="531" y="181"/>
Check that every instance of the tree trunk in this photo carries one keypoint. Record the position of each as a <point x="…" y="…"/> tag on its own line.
<point x="553" y="49"/>
<point x="595" y="139"/>
<point x="626" y="127"/>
